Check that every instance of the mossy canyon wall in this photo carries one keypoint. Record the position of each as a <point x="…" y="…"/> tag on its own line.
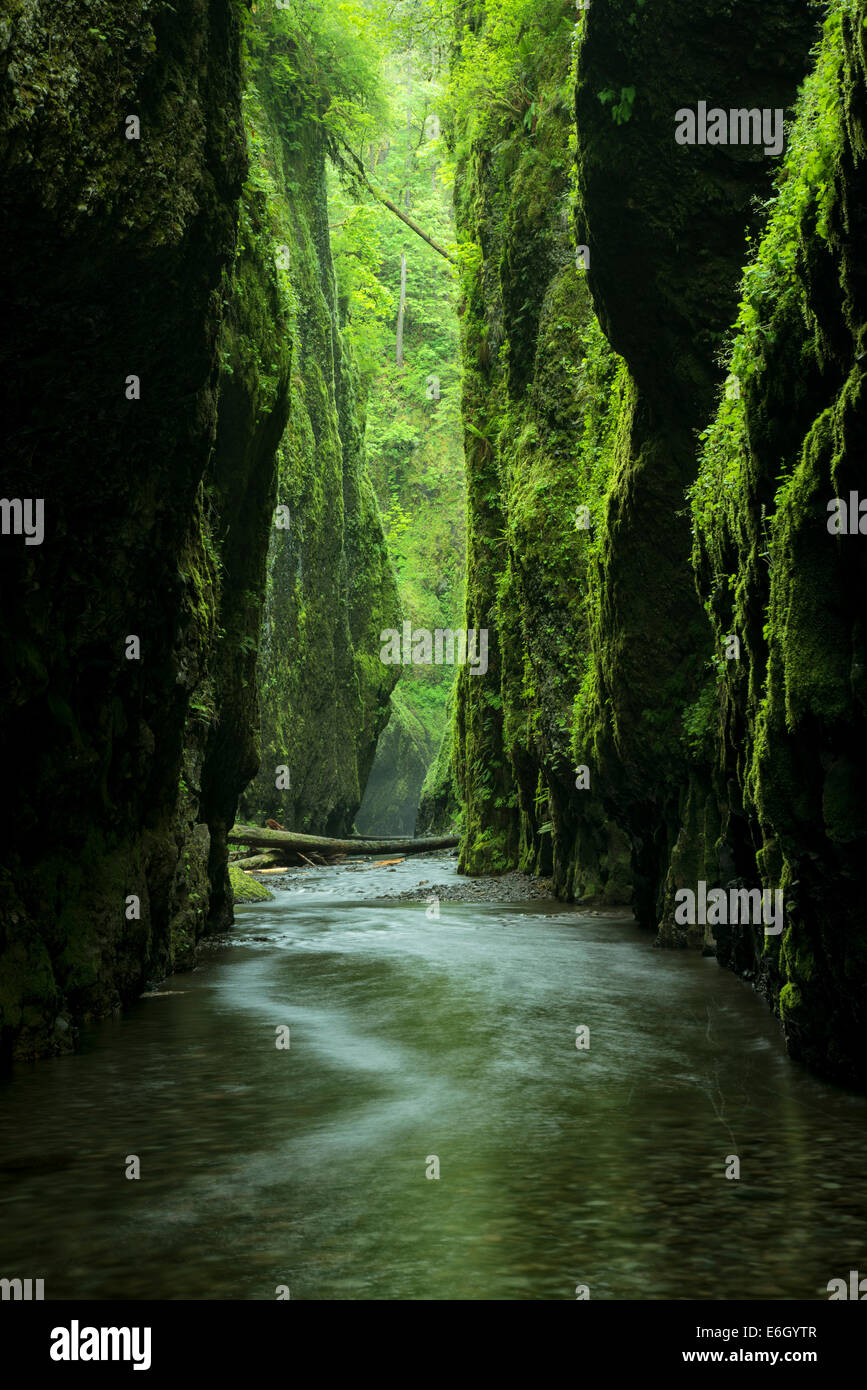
<point x="189" y="252"/>
<point x="663" y="391"/>
<point x="704" y="414"/>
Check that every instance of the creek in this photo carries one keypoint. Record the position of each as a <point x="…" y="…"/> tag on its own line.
<point x="410" y="1038"/>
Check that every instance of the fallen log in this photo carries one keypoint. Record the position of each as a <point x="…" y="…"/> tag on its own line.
<point x="293" y="840"/>
<point x="258" y="861"/>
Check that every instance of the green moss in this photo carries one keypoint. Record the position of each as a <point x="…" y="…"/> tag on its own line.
<point x="540" y="409"/>
<point x="792" y="710"/>
<point x="790" y="1000"/>
<point x="246" y="889"/>
<point x="488" y="853"/>
<point x="153" y="752"/>
<point x="330" y="589"/>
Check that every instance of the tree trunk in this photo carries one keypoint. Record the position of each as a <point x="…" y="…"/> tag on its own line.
<point x="292" y="840"/>
<point x="392" y="207"/>
<point x="408" y="161"/>
<point x="259" y="861"/>
<point x="398" y="354"/>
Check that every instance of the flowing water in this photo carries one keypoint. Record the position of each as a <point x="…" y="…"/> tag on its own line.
<point x="412" y="1039"/>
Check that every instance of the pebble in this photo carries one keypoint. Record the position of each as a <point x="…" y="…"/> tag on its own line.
<point x="510" y="888"/>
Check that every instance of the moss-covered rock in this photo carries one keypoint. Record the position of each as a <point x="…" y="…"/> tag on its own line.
<point x="541" y="389"/>
<point x="330" y="588"/>
<point x="246" y="888"/>
<point x="116" y="251"/>
<point x="147" y="279"/>
<point x="792" y="742"/>
<point x="665" y="226"/>
<point x="720" y="723"/>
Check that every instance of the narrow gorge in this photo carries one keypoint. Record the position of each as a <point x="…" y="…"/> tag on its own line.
<point x="438" y="420"/>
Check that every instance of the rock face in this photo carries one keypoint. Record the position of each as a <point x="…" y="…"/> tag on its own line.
<point x="613" y="648"/>
<point x="323" y="690"/>
<point x="540" y="405"/>
<point x="116" y="249"/>
<point x="790" y="752"/>
<point x="391" y="796"/>
<point x="330" y="589"/>
<point x="439" y="808"/>
<point x="665" y="226"/>
<point x="149" y="328"/>
<point x="252" y="414"/>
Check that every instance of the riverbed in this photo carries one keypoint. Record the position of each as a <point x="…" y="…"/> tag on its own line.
<point x="414" y="1038"/>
